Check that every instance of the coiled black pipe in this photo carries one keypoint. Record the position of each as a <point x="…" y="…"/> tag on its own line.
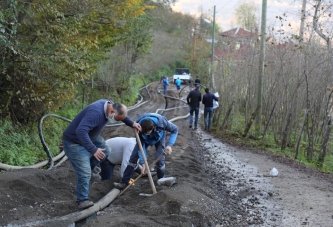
<point x="40" y="132"/>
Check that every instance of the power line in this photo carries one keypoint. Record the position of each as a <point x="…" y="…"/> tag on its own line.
<point x="225" y="5"/>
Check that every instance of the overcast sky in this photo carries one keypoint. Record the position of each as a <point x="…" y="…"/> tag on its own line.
<point x="225" y="10"/>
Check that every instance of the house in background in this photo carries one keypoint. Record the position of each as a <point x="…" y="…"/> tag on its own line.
<point x="238" y="43"/>
<point x="236" y="37"/>
<point x="235" y="43"/>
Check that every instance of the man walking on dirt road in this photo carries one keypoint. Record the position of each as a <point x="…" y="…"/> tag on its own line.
<point x="84" y="146"/>
<point x="208" y="101"/>
<point x="197" y="81"/>
<point x="165" y="84"/>
<point x="193" y="100"/>
<point x="154" y="128"/>
<point x="178" y="83"/>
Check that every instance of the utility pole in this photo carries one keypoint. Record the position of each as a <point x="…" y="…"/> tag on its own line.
<point x="193" y="50"/>
<point x="213" y="57"/>
<point x="261" y="65"/>
<point x="301" y="30"/>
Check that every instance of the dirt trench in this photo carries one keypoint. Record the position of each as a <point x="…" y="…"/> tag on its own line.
<point x="218" y="184"/>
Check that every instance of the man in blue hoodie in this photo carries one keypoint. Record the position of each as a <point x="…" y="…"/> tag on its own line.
<point x="84" y="146"/>
<point x="154" y="128"/>
<point x="178" y="83"/>
<point x="165" y="85"/>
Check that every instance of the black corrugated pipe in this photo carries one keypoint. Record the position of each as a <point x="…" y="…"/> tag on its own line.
<point x="40" y="131"/>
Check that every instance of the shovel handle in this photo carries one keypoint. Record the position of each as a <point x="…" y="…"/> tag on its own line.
<point x="146" y="163"/>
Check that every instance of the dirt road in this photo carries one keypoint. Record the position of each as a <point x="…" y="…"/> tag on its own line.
<point x="218" y="185"/>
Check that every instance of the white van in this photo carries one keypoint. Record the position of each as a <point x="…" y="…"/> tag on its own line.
<point x="183" y="74"/>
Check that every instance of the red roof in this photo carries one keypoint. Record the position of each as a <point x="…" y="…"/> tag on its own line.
<point x="237" y="32"/>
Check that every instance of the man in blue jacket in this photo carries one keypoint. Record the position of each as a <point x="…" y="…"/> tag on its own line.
<point x="178" y="83"/>
<point x="154" y="128"/>
<point x="208" y="100"/>
<point x="84" y="146"/>
<point x="165" y="84"/>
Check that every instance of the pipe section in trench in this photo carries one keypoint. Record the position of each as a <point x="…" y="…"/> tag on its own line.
<point x="70" y="219"/>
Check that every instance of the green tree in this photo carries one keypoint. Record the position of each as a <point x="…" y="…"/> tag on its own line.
<point x="49" y="47"/>
<point x="245" y="15"/>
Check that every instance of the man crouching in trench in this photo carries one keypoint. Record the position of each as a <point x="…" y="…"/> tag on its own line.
<point x="153" y="132"/>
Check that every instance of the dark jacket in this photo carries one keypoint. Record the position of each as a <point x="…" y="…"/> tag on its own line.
<point x="88" y="125"/>
<point x="208" y="99"/>
<point x="194" y="98"/>
<point x="197" y="81"/>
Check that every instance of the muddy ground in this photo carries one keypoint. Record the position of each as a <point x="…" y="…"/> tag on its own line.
<point x="218" y="184"/>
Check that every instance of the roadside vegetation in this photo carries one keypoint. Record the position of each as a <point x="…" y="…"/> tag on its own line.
<point x="59" y="56"/>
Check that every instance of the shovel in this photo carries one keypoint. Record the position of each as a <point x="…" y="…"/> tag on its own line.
<point x="146" y="163"/>
<point x="138" y="177"/>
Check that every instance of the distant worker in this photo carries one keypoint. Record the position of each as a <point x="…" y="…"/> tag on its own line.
<point x="197" y="81"/>
<point x="178" y="83"/>
<point x="193" y="100"/>
<point x="165" y="84"/>
<point x="208" y="101"/>
<point x="190" y="82"/>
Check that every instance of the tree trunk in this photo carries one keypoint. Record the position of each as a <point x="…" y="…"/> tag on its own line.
<point x="227" y="116"/>
<point x="322" y="153"/>
<point x="300" y="133"/>
<point x="309" y="154"/>
<point x="269" y="121"/>
<point x="249" y="124"/>
<point x="285" y="133"/>
<point x="315" y="26"/>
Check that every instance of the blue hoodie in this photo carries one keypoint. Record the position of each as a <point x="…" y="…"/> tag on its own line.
<point x="161" y="124"/>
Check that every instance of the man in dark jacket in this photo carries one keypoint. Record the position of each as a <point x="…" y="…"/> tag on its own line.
<point x="154" y="127"/>
<point x="193" y="100"/>
<point x="197" y="81"/>
<point x="85" y="147"/>
<point x="208" y="100"/>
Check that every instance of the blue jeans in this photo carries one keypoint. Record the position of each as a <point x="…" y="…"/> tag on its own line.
<point x="165" y="87"/>
<point x="83" y="162"/>
<point x="208" y="111"/>
<point x="106" y="170"/>
<point x="160" y="165"/>
<point x="196" y="110"/>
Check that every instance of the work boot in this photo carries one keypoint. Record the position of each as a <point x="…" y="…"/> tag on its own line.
<point x="84" y="204"/>
<point x="152" y="174"/>
<point x="97" y="170"/>
<point x="96" y="177"/>
<point x="138" y="169"/>
<point x="121" y="185"/>
<point x="95" y="174"/>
